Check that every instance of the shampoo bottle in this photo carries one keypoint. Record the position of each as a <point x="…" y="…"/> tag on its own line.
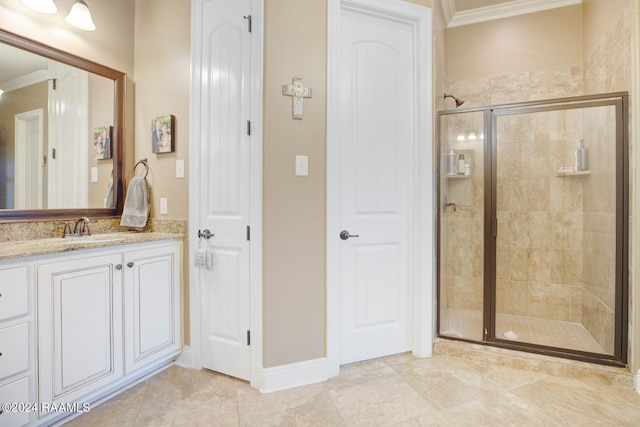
<point x="451" y="162"/>
<point x="582" y="158"/>
<point x="461" y="164"/>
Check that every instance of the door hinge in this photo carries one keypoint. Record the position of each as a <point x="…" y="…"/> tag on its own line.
<point x="248" y="18"/>
<point x="249" y="127"/>
<point x="248" y="233"/>
<point x="248" y="337"/>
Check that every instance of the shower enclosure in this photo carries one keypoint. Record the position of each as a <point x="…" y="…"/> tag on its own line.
<point x="532" y="244"/>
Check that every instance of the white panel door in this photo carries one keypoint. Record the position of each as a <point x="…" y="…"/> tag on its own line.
<point x="376" y="82"/>
<point x="68" y="136"/>
<point x="224" y="179"/>
<point x="29" y="160"/>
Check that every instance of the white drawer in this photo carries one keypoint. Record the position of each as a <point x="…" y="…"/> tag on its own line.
<point x="14" y="292"/>
<point x="15" y="392"/>
<point x="14" y="350"/>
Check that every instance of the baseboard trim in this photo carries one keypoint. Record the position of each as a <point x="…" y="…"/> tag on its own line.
<point x="184" y="359"/>
<point x="293" y="375"/>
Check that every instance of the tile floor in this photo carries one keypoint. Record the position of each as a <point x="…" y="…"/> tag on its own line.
<point x="462" y="384"/>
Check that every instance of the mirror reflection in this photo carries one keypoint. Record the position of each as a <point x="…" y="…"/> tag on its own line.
<point x="56" y="134"/>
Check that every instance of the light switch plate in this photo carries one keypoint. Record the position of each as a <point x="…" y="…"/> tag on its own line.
<point x="180" y="168"/>
<point x="302" y="165"/>
<point x="94" y="174"/>
<point x="163" y="206"/>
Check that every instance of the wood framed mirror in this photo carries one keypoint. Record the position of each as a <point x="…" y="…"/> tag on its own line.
<point x="61" y="133"/>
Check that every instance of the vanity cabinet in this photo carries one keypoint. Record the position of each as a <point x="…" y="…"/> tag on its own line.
<point x="17" y="367"/>
<point x="106" y="317"/>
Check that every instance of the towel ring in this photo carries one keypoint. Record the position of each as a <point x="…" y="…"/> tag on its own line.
<point x="142" y="162"/>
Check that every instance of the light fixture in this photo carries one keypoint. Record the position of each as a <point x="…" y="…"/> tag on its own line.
<point x="42" y="6"/>
<point x="1" y="92"/>
<point x="461" y="137"/>
<point x="80" y="17"/>
<point x="472" y="136"/>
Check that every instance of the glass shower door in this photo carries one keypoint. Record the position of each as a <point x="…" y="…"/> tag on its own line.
<point x="461" y="225"/>
<point x="555" y="245"/>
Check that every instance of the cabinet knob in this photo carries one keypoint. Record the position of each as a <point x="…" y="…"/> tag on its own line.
<point x="130" y="264"/>
<point x="119" y="267"/>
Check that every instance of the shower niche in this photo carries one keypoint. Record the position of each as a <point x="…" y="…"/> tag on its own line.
<point x="532" y="252"/>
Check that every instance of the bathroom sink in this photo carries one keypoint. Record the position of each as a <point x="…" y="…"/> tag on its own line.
<point x="91" y="239"/>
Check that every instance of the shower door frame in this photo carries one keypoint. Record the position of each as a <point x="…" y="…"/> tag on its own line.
<point x="490" y="114"/>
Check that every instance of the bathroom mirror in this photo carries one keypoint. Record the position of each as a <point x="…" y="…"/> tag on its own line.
<point x="61" y="133"/>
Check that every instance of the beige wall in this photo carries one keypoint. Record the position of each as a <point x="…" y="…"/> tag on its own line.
<point x="597" y="18"/>
<point x="526" y="43"/>
<point x="100" y="115"/>
<point x="162" y="78"/>
<point x="439" y="57"/>
<point x="111" y="44"/>
<point x="294" y="207"/>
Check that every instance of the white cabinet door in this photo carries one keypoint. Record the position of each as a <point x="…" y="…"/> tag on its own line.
<point x="79" y="327"/>
<point x="152" y="301"/>
<point x="15" y="392"/>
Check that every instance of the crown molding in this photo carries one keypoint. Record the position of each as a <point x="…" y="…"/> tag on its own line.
<point x="499" y="11"/>
<point x="448" y="10"/>
<point x="26" y="80"/>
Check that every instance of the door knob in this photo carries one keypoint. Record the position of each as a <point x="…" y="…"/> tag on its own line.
<point x="344" y="235"/>
<point x="205" y="233"/>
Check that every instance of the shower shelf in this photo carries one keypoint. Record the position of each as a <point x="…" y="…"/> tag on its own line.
<point x="572" y="173"/>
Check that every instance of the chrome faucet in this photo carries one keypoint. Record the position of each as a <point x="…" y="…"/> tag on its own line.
<point x="66" y="230"/>
<point x="82" y="227"/>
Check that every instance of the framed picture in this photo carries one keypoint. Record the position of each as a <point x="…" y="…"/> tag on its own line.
<point x="162" y="139"/>
<point x="102" y="145"/>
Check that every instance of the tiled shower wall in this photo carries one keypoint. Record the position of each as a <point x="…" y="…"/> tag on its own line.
<point x="530" y="194"/>
<point x="607" y="69"/>
<point x="540" y="221"/>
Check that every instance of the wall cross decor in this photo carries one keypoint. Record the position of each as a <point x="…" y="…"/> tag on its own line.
<point x="298" y="92"/>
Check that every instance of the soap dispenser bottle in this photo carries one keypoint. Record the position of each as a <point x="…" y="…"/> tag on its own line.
<point x="461" y="164"/>
<point x="581" y="158"/>
<point x="451" y="162"/>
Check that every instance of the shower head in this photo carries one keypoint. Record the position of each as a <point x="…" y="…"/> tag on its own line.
<point x="459" y="102"/>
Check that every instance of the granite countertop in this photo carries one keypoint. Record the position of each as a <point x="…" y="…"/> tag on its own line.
<point x="30" y="247"/>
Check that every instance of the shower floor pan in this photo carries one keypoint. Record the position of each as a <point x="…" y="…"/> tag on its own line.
<point x="552" y="333"/>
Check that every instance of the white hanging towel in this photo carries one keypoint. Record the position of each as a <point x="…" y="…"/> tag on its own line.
<point x="136" y="204"/>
